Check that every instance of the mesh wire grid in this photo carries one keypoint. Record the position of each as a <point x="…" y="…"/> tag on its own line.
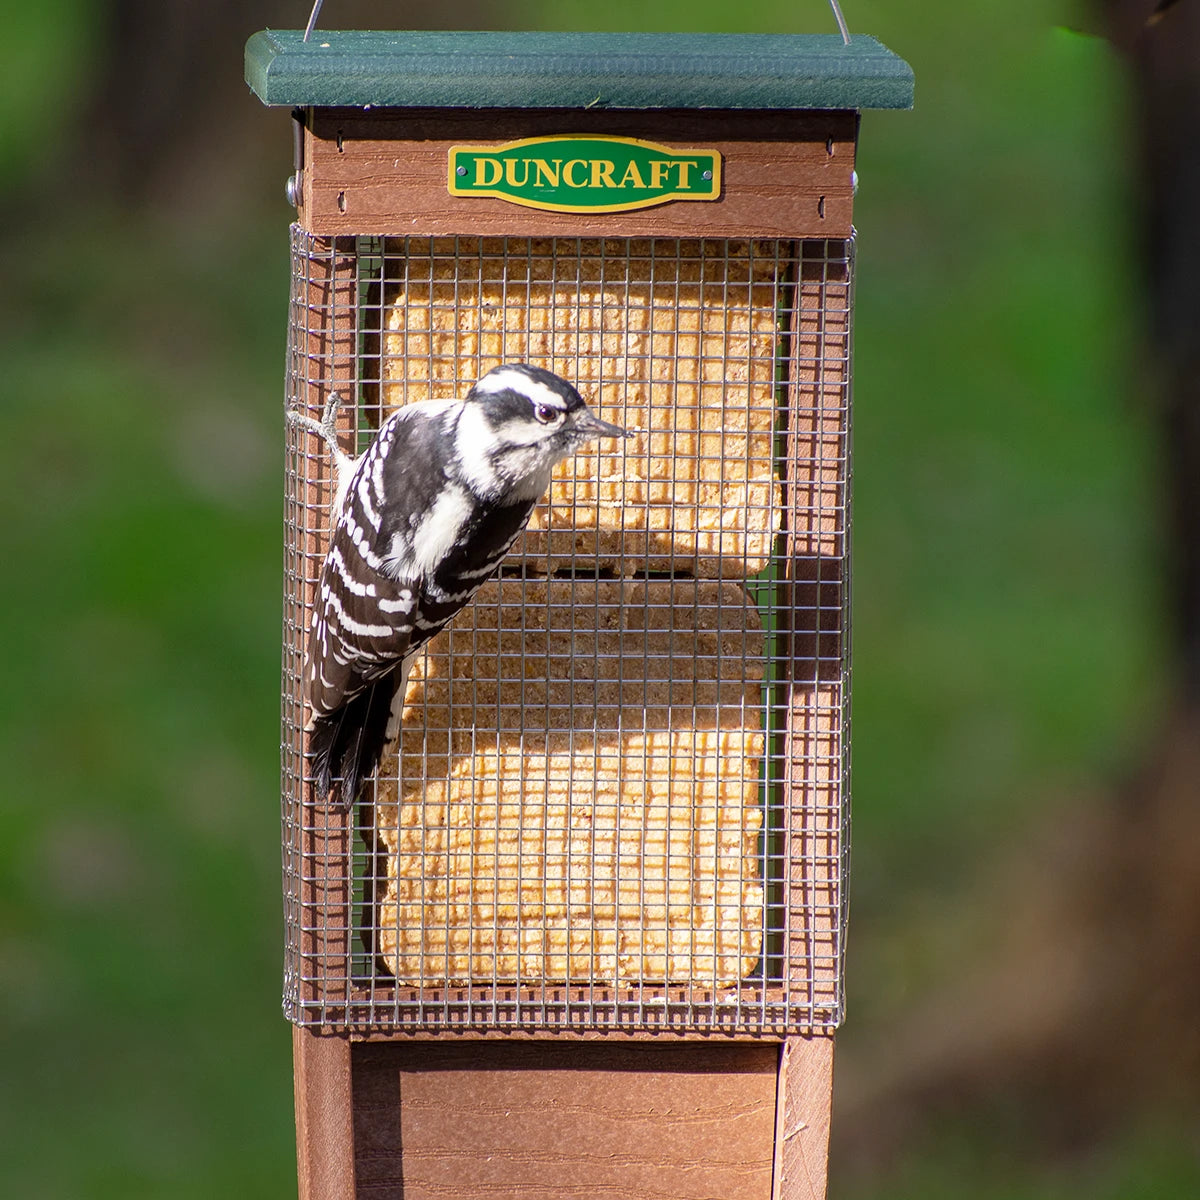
<point x="619" y="800"/>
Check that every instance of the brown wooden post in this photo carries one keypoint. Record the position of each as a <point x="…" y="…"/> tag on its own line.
<point x="324" y="1115"/>
<point x="323" y="361"/>
<point x="328" y="360"/>
<point x="812" y="604"/>
<point x="802" y="1118"/>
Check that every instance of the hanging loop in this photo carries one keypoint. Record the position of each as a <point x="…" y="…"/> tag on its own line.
<point x="312" y="18"/>
<point x="837" y="16"/>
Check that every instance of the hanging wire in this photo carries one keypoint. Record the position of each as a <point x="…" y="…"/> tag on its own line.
<point x="837" y="14"/>
<point x="833" y="4"/>
<point x="316" y="12"/>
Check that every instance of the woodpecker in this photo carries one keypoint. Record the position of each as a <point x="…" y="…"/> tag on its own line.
<point x="421" y="521"/>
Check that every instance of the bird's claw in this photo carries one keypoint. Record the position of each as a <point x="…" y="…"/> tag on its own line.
<point x="326" y="427"/>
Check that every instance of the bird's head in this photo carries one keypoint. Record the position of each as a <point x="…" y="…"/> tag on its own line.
<point x="518" y="423"/>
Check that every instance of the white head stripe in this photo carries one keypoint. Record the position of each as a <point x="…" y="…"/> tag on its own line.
<point x="517" y="381"/>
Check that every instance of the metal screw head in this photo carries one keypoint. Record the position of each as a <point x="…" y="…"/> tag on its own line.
<point x="707" y="175"/>
<point x="293" y="190"/>
<point x="460" y="170"/>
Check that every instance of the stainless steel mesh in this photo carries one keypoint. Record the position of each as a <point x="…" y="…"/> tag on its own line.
<point x="619" y="799"/>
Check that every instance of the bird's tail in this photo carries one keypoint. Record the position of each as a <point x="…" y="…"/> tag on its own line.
<point x="346" y="746"/>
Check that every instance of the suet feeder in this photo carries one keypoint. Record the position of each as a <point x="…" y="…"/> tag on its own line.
<point x="586" y="933"/>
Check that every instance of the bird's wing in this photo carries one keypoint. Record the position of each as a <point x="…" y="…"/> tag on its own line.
<point x="363" y="614"/>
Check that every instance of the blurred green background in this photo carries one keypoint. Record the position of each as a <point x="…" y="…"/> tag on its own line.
<point x="1012" y="654"/>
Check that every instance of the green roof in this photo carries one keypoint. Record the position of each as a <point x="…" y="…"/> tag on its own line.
<point x="368" y="68"/>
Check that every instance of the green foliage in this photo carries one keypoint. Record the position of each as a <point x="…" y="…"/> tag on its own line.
<point x="991" y="1159"/>
<point x="49" y="50"/>
<point x="1007" y="629"/>
<point x="139" y="727"/>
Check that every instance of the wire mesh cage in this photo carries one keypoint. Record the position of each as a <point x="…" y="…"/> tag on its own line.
<point x="618" y="800"/>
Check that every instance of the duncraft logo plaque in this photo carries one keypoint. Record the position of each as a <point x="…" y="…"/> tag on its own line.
<point x="580" y="173"/>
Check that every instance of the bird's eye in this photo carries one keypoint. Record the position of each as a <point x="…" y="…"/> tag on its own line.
<point x="545" y="413"/>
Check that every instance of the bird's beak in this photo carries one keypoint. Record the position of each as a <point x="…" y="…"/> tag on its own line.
<point x="588" y="425"/>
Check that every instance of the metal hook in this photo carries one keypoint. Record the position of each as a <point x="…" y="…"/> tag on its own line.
<point x="312" y="18"/>
<point x="837" y="14"/>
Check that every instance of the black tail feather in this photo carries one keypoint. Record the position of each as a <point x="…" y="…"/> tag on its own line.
<point x="350" y="742"/>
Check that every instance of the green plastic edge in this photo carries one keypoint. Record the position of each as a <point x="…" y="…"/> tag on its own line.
<point x="370" y="68"/>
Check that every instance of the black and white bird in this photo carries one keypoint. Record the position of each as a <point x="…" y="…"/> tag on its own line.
<point x="421" y="521"/>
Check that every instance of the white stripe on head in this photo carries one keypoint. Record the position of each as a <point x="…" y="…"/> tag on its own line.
<point x="507" y="379"/>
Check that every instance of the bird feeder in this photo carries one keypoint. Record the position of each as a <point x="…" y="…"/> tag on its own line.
<point x="585" y="933"/>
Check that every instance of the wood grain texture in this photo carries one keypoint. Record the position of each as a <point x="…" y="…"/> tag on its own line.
<point x="784" y="174"/>
<point x="324" y="1133"/>
<point x="802" y="1118"/>
<point x="544" y="1121"/>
